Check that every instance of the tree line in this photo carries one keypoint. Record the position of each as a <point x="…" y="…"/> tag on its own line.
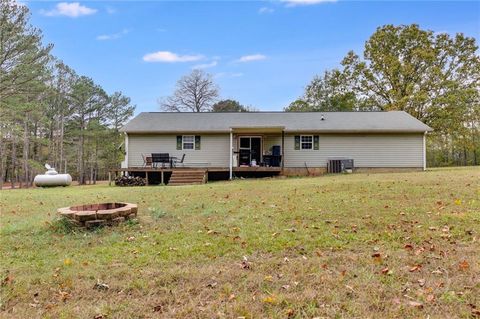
<point x="433" y="77"/>
<point x="49" y="113"/>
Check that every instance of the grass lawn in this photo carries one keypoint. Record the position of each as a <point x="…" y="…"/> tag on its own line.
<point x="380" y="245"/>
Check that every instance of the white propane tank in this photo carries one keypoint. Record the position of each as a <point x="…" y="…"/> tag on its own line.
<point x="51" y="178"/>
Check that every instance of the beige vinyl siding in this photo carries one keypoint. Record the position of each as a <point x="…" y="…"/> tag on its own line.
<point x="213" y="151"/>
<point x="271" y="140"/>
<point x="367" y="150"/>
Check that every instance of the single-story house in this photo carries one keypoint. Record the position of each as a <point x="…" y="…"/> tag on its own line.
<point x="293" y="142"/>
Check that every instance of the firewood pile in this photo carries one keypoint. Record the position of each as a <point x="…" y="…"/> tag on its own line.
<point x="130" y="181"/>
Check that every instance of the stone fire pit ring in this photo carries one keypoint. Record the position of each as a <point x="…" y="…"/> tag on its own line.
<point x="94" y="215"/>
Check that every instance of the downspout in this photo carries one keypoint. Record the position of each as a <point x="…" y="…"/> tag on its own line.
<point x="424" y="151"/>
<point x="231" y="155"/>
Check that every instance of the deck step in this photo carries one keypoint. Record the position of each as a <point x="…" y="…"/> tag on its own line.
<point x="181" y="177"/>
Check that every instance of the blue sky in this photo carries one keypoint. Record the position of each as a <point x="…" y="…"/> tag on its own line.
<point x="259" y="53"/>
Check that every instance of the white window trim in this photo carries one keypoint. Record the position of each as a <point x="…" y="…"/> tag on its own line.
<point x="183" y="143"/>
<point x="301" y="143"/>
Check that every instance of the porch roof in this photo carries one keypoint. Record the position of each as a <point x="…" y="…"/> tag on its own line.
<point x="257" y="129"/>
<point x="290" y="122"/>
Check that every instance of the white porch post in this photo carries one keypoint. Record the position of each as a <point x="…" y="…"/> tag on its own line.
<point x="424" y="151"/>
<point x="125" y="160"/>
<point x="126" y="151"/>
<point x="283" y="151"/>
<point x="231" y="154"/>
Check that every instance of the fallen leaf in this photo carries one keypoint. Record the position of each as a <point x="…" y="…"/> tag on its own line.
<point x="63" y="295"/>
<point x="270" y="299"/>
<point x="386" y="271"/>
<point x="415" y="268"/>
<point x="8" y="280"/>
<point x="408" y="246"/>
<point x="464" y="265"/>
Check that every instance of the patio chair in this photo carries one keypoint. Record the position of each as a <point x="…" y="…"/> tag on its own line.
<point x="175" y="161"/>
<point x="147" y="161"/>
<point x="163" y="158"/>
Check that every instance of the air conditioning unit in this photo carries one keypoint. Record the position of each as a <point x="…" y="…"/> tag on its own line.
<point x="340" y="165"/>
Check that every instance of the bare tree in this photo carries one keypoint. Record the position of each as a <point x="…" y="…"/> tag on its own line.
<point x="195" y="92"/>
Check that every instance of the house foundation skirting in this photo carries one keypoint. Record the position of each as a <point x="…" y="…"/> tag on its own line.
<point x="316" y="171"/>
<point x="387" y="169"/>
<point x="303" y="171"/>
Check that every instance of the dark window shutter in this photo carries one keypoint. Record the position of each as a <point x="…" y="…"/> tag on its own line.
<point x="179" y="142"/>
<point x="316" y="142"/>
<point x="297" y="142"/>
<point x="197" y="142"/>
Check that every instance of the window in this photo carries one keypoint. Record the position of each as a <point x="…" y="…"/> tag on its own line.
<point x="188" y="142"/>
<point x="306" y="142"/>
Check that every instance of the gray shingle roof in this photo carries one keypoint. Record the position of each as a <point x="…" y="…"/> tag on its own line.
<point x="165" y="122"/>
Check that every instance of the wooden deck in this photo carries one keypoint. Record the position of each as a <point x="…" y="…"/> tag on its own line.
<point x="208" y="169"/>
<point x="165" y="173"/>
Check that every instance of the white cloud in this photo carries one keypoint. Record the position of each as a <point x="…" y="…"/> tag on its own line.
<point x="104" y="37"/>
<point x="250" y="58"/>
<point x="292" y="3"/>
<point x="205" y="65"/>
<point x="72" y="9"/>
<point x="170" y="57"/>
<point x="265" y="10"/>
